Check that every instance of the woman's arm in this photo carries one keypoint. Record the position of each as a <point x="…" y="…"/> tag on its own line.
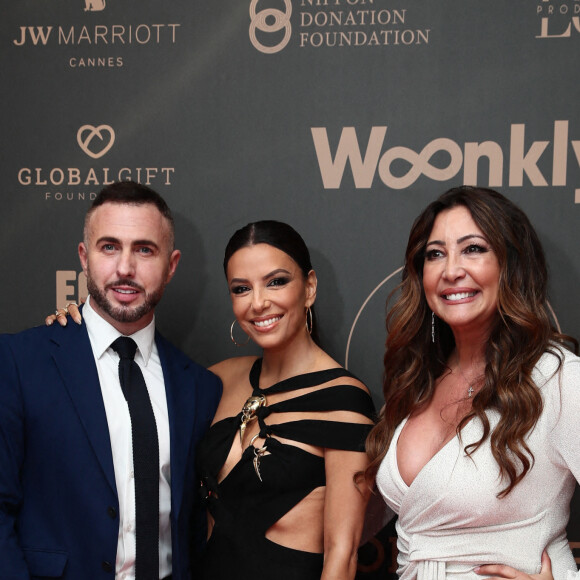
<point x="562" y="402"/>
<point x="344" y="510"/>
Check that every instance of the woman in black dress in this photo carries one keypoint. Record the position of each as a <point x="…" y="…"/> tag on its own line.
<point x="279" y="461"/>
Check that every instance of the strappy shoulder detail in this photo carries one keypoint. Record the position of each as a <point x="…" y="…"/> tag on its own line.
<point x="324" y="432"/>
<point x="298" y="382"/>
<point x="336" y="398"/>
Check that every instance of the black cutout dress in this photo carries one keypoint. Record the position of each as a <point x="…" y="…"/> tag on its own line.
<point x="245" y="507"/>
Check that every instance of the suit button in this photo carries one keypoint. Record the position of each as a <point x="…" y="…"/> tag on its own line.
<point x="106" y="566"/>
<point x="112" y="512"/>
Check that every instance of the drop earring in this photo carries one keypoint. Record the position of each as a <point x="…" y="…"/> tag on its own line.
<point x="433" y="327"/>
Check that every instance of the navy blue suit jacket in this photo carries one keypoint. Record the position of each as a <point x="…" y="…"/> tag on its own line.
<point x="58" y="498"/>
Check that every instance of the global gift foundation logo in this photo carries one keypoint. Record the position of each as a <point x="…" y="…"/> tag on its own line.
<point x="65" y="183"/>
<point x="96" y="141"/>
<point x="558" y="18"/>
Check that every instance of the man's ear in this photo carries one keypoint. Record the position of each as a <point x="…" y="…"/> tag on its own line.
<point x="173" y="261"/>
<point x="83" y="256"/>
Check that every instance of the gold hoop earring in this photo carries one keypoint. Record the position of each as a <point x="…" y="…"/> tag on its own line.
<point x="232" y="335"/>
<point x="310" y="326"/>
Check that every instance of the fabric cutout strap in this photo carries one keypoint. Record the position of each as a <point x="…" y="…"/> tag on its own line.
<point x="336" y="398"/>
<point x="329" y="434"/>
<point x="299" y="382"/>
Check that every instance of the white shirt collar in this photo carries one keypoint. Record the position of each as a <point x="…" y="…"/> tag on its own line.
<point x="102" y="334"/>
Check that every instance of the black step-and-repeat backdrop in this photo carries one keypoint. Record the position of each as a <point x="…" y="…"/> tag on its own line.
<point x="341" y="117"/>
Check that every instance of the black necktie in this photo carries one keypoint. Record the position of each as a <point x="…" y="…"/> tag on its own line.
<point x="145" y="460"/>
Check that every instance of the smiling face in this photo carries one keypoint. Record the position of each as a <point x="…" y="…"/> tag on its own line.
<point x="461" y="273"/>
<point x="270" y="295"/>
<point x="128" y="261"/>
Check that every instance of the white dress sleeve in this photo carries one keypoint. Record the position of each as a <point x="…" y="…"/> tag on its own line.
<point x="562" y="398"/>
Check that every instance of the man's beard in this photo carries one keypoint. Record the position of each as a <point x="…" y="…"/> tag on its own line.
<point x="123" y="313"/>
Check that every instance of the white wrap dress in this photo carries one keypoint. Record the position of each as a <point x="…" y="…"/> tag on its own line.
<point x="450" y="519"/>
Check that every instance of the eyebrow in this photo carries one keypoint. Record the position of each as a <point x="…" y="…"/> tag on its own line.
<point x="111" y="240"/>
<point x="459" y="241"/>
<point x="266" y="277"/>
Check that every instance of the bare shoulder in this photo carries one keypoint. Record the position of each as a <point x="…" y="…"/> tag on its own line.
<point x="235" y="376"/>
<point x="233" y="371"/>
<point x="327" y="362"/>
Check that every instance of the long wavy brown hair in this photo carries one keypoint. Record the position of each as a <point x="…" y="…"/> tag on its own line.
<point x="521" y="333"/>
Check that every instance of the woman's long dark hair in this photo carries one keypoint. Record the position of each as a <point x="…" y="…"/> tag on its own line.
<point x="521" y="333"/>
<point x="278" y="235"/>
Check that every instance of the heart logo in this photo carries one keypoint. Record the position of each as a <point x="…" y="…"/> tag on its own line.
<point x="86" y="135"/>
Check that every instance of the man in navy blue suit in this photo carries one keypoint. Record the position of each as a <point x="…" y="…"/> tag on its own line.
<point x="67" y="491"/>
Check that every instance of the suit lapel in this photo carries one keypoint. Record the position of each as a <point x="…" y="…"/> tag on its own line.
<point x="180" y="392"/>
<point x="74" y="359"/>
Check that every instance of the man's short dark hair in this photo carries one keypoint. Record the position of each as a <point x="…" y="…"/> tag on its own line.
<point x="132" y="193"/>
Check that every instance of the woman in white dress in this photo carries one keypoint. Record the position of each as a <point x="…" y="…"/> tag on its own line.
<point x="478" y="445"/>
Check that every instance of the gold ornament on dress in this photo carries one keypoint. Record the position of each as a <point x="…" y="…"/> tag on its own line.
<point x="258" y="453"/>
<point x="249" y="412"/>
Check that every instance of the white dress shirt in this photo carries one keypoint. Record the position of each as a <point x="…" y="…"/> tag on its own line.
<point x="101" y="335"/>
